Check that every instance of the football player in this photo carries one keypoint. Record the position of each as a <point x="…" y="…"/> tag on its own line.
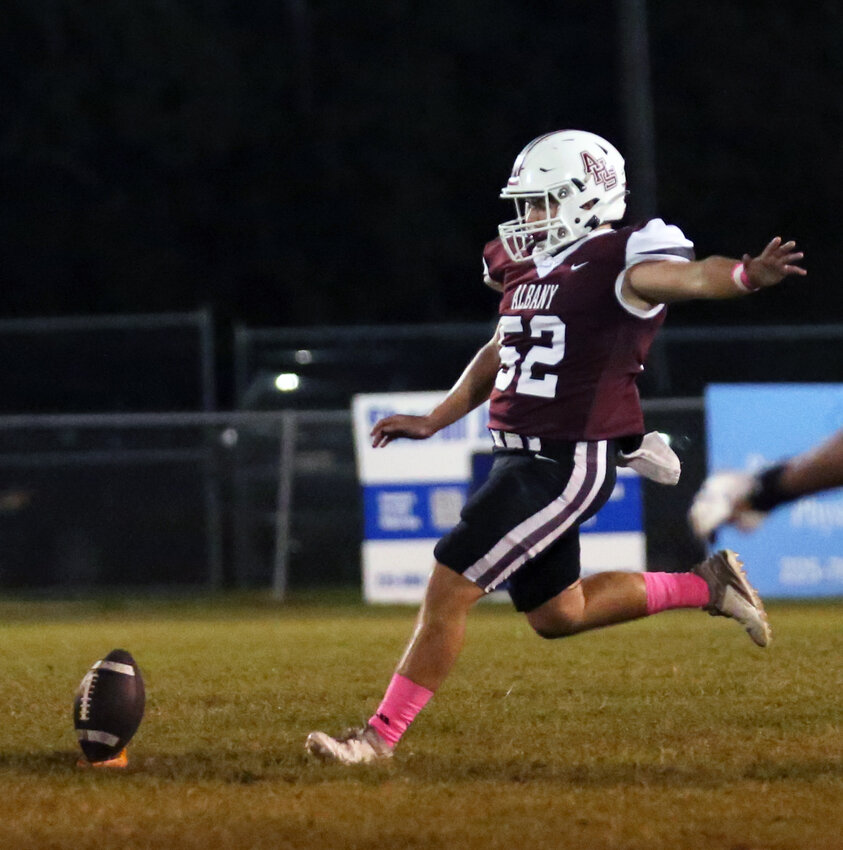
<point x="744" y="500"/>
<point x="581" y="300"/>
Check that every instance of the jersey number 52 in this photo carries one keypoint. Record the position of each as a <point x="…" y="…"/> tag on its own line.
<point x="544" y="354"/>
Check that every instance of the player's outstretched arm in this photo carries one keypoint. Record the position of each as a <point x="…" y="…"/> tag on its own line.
<point x="471" y="389"/>
<point x="714" y="277"/>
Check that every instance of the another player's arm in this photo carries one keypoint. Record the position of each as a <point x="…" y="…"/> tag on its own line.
<point x="661" y="282"/>
<point x="471" y="389"/>
<point x="813" y="471"/>
<point x="818" y="469"/>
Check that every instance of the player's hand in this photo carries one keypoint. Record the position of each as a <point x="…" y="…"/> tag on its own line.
<point x="401" y="425"/>
<point x="773" y="264"/>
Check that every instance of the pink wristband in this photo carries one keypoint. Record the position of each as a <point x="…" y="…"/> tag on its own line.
<point x="741" y="278"/>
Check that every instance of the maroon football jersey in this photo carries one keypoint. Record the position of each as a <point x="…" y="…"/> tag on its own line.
<point x="570" y="348"/>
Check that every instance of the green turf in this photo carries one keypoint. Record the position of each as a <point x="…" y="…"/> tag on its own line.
<point x="672" y="732"/>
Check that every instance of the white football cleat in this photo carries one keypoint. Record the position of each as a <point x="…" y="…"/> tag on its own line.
<point x="731" y="595"/>
<point x="724" y="498"/>
<point x="357" y="746"/>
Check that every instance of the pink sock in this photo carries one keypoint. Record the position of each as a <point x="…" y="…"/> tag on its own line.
<point x="401" y="703"/>
<point x="674" y="590"/>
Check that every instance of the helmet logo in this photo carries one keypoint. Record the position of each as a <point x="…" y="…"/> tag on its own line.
<point x="597" y="167"/>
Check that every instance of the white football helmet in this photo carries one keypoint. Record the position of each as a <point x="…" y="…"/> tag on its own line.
<point x="581" y="173"/>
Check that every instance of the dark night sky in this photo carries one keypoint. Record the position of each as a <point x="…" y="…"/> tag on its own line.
<point x="300" y="162"/>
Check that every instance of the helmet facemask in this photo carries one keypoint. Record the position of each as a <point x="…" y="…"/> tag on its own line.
<point x="566" y="218"/>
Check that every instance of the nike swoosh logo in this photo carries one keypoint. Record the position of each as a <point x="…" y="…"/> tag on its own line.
<point x="545" y="170"/>
<point x="579" y="265"/>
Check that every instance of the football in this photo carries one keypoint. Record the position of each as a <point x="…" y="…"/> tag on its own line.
<point x="108" y="706"/>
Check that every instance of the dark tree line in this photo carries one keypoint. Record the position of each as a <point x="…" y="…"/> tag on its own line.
<point x="314" y="161"/>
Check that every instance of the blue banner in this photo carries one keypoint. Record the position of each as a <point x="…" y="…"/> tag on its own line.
<point x="429" y="510"/>
<point x="412" y="510"/>
<point x="798" y="550"/>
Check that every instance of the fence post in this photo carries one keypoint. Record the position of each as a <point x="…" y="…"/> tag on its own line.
<point x="213" y="511"/>
<point x="287" y="453"/>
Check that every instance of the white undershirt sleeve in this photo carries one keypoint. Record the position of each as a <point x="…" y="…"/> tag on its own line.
<point x="655" y="241"/>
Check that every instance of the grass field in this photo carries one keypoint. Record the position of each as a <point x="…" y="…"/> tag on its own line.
<point x="673" y="732"/>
